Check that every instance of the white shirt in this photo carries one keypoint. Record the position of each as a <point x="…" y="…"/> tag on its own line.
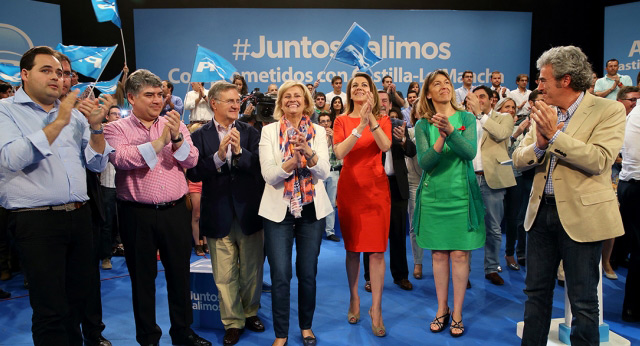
<point x="506" y="90"/>
<point x="331" y="95"/>
<point x="520" y="97"/>
<point x="108" y="176"/>
<point x="631" y="147"/>
<point x="201" y="112"/>
<point x="461" y="93"/>
<point x="388" y="163"/>
<point x="477" y="161"/>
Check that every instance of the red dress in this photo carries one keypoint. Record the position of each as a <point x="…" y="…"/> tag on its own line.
<point x="364" y="200"/>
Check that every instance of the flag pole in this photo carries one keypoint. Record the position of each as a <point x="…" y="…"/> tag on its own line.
<point x="124" y="48"/>
<point x="332" y="55"/>
<point x="100" y="75"/>
<point x="189" y="86"/>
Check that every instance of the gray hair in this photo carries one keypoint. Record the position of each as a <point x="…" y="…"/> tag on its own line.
<point x="571" y="61"/>
<point x="219" y="87"/>
<point x="140" y="79"/>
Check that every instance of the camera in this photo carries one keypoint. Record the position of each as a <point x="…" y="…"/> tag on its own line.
<point x="265" y="104"/>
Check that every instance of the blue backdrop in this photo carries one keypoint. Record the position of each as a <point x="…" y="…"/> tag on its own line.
<point x="622" y="39"/>
<point x="273" y="45"/>
<point x="24" y="24"/>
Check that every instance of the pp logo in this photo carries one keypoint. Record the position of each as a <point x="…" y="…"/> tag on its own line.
<point x="13" y="43"/>
<point x="211" y="66"/>
<point x="97" y="62"/>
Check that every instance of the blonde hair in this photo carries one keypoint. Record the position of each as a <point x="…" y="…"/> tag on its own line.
<point x="425" y="105"/>
<point x="308" y="107"/>
<point x="349" y="106"/>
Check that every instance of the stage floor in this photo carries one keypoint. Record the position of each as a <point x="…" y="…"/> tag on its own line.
<point x="491" y="313"/>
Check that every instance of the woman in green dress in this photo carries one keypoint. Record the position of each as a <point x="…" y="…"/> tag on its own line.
<point x="449" y="214"/>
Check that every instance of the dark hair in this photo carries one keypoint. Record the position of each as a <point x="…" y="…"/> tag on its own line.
<point x="385" y="77"/>
<point x="534" y="94"/>
<point x="372" y="87"/>
<point x="397" y="110"/>
<point x="494" y="93"/>
<point x="485" y="88"/>
<point x="114" y="106"/>
<point x="520" y="76"/>
<point x="411" y="85"/>
<point x="325" y="115"/>
<point x="622" y="93"/>
<point x="245" y="89"/>
<point x="412" y="92"/>
<point x="335" y="78"/>
<point x="638" y="79"/>
<point x="319" y="93"/>
<point x="610" y="60"/>
<point x="467" y="71"/>
<point x="4" y="87"/>
<point x="334" y="112"/>
<point x="169" y="85"/>
<point x="28" y="58"/>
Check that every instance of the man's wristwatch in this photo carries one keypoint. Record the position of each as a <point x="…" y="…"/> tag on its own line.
<point x="177" y="140"/>
<point x="97" y="132"/>
<point x="355" y="133"/>
<point x="479" y="116"/>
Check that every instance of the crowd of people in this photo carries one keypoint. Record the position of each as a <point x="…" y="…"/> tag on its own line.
<point x="462" y="166"/>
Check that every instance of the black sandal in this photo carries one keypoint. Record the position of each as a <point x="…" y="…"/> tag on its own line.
<point x="440" y="322"/>
<point x="456" y="325"/>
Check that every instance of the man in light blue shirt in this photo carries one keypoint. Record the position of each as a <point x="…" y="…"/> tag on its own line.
<point x="609" y="85"/>
<point x="171" y="101"/>
<point x="45" y="146"/>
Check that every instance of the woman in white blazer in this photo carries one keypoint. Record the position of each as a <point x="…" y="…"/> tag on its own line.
<point x="294" y="160"/>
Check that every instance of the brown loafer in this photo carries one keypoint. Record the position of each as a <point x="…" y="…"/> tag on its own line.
<point x="404" y="284"/>
<point x="417" y="271"/>
<point x="232" y="336"/>
<point x="367" y="286"/>
<point x="254" y="324"/>
<point x="494" y="278"/>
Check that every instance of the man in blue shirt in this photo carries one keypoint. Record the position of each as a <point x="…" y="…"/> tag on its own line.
<point x="171" y="102"/>
<point x="45" y="146"/>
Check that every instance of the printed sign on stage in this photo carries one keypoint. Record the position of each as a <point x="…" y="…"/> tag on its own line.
<point x="274" y="45"/>
<point x="622" y="39"/>
<point x="25" y="24"/>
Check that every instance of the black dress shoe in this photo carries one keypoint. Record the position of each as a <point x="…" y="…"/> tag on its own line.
<point x="232" y="336"/>
<point x="522" y="261"/>
<point x="560" y="283"/>
<point x="309" y="341"/>
<point x="4" y="294"/>
<point x="494" y="278"/>
<point x="404" y="284"/>
<point x="254" y="324"/>
<point x="192" y="340"/>
<point x="333" y="237"/>
<point x="468" y="284"/>
<point x="101" y="341"/>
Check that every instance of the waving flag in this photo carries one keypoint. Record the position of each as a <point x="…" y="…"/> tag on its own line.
<point x="106" y="87"/>
<point x="106" y="10"/>
<point x="355" y="51"/>
<point x="89" y="61"/>
<point x="10" y="73"/>
<point x="210" y="67"/>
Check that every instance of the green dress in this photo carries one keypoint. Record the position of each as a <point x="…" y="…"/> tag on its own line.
<point x="449" y="213"/>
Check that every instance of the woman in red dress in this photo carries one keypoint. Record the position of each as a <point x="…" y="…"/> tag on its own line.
<point x="364" y="201"/>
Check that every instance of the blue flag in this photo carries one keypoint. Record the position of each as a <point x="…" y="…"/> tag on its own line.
<point x="10" y="73"/>
<point x="106" y="10"/>
<point x="355" y="51"/>
<point x="106" y="87"/>
<point x="210" y="67"/>
<point x="89" y="61"/>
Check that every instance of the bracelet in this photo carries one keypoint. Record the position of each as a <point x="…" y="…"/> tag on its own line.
<point x="375" y="128"/>
<point x="312" y="155"/>
<point x="97" y="132"/>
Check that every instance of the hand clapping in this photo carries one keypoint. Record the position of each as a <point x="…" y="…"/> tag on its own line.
<point x="442" y="123"/>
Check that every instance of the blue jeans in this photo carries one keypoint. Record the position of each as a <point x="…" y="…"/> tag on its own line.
<point x="331" y="185"/>
<point x="493" y="212"/>
<point x="548" y="243"/>
<point x="279" y="236"/>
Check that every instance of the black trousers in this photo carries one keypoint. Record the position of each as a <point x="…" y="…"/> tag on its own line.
<point x="629" y="198"/>
<point x="55" y="248"/>
<point x="145" y="230"/>
<point x="397" y="236"/>
<point x="92" y="325"/>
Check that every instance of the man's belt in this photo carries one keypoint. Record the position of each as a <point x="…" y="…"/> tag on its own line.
<point x="336" y="169"/>
<point x="62" y="207"/>
<point x="159" y="206"/>
<point x="479" y="172"/>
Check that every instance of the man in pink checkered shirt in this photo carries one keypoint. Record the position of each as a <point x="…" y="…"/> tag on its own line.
<point x="151" y="153"/>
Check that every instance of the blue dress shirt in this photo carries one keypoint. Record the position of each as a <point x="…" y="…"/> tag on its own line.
<point x="34" y="173"/>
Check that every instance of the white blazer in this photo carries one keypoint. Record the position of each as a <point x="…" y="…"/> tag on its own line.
<point x="273" y="207"/>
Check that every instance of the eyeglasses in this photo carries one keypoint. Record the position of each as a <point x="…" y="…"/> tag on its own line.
<point x="230" y="102"/>
<point x="632" y="100"/>
<point x="324" y="121"/>
<point x="66" y="74"/>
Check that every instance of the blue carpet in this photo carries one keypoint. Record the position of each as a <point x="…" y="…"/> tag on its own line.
<point x="490" y="312"/>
